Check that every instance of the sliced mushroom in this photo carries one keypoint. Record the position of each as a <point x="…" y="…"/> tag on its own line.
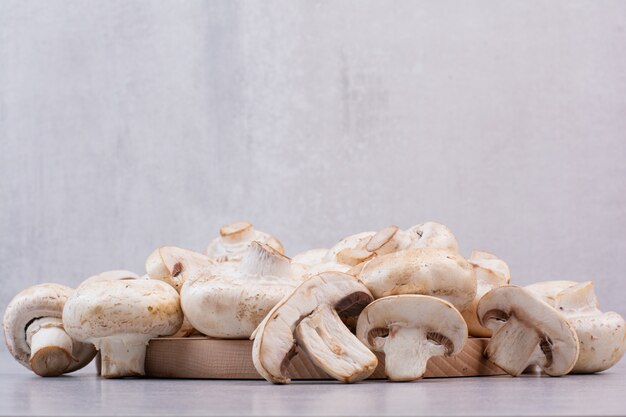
<point x="526" y="331"/>
<point x="234" y="240"/>
<point x="491" y="272"/>
<point x="427" y="271"/>
<point x="119" y="317"/>
<point x="313" y="313"/>
<point x="410" y="329"/>
<point x="230" y="301"/>
<point x="173" y="265"/>
<point x="35" y="335"/>
<point x="602" y="336"/>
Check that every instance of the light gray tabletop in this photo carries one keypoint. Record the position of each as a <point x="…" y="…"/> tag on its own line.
<point x="24" y="394"/>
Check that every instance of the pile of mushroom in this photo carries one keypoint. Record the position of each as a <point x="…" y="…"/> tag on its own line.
<point x="394" y="296"/>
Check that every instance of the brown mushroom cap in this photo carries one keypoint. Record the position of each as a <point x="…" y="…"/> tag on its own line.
<point x="526" y="331"/>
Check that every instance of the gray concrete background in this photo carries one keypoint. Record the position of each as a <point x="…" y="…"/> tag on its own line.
<point x="128" y="125"/>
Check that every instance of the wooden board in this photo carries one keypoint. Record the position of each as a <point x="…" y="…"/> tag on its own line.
<point x="200" y="357"/>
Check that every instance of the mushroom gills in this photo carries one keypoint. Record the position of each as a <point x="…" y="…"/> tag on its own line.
<point x="408" y="349"/>
<point x="516" y="345"/>
<point x="123" y="355"/>
<point x="333" y="348"/>
<point x="50" y="347"/>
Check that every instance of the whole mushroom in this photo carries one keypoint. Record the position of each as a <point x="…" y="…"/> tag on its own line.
<point x="602" y="336"/>
<point x="119" y="317"/>
<point x="35" y="335"/>
<point x="174" y="265"/>
<point x="235" y="239"/>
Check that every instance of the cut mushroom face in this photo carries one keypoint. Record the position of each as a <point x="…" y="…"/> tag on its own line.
<point x="410" y="329"/>
<point x="433" y="235"/>
<point x="119" y="317"/>
<point x="491" y="272"/>
<point x="602" y="336"/>
<point x="173" y="265"/>
<point x="526" y="331"/>
<point x="229" y="302"/>
<point x="234" y="240"/>
<point x="311" y="318"/>
<point x="35" y="335"/>
<point x="436" y="272"/>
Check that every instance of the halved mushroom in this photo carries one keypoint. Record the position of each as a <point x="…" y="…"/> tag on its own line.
<point x="427" y="271"/>
<point x="173" y="265"/>
<point x="410" y="329"/>
<point x="602" y="336"/>
<point x="35" y="335"/>
<point x="234" y="240"/>
<point x="120" y="317"/>
<point x="526" y="331"/>
<point x="231" y="300"/>
<point x="311" y="318"/>
<point x="491" y="272"/>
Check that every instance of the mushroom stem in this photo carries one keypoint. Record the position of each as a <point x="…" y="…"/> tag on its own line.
<point x="123" y="355"/>
<point x="333" y="348"/>
<point x="407" y="350"/>
<point x="512" y="346"/>
<point x="50" y="347"/>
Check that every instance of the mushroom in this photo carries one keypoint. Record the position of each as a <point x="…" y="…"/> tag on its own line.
<point x="491" y="272"/>
<point x="350" y="249"/>
<point x="410" y="329"/>
<point x="34" y="332"/>
<point x="427" y="271"/>
<point x="311" y="318"/>
<point x="119" y="317"/>
<point x="314" y="261"/>
<point x="234" y="240"/>
<point x="602" y="336"/>
<point x="110" y="276"/>
<point x="230" y="301"/>
<point x="433" y="235"/>
<point x="173" y="265"/>
<point x="526" y="331"/>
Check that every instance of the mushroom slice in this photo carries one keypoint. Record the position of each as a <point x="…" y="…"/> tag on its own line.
<point x="314" y="311"/>
<point x="230" y="301"/>
<point x="119" y="317"/>
<point x="34" y="332"/>
<point x="173" y="265"/>
<point x="234" y="240"/>
<point x="427" y="271"/>
<point x="526" y="331"/>
<point x="491" y="272"/>
<point x="602" y="336"/>
<point x="433" y="235"/>
<point x="410" y="329"/>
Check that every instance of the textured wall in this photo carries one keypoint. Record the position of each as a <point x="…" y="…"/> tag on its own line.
<point x="127" y="125"/>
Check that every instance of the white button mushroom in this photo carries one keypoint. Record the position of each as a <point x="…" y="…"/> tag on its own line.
<point x="410" y="329"/>
<point x="119" y="317"/>
<point x="234" y="240"/>
<point x="35" y="335"/>
<point x="312" y="318"/>
<point x="602" y="336"/>
<point x="344" y="250"/>
<point x="314" y="261"/>
<point x="491" y="272"/>
<point x="526" y="331"/>
<point x="230" y="301"/>
<point x="427" y="271"/>
<point x="433" y="235"/>
<point x="173" y="265"/>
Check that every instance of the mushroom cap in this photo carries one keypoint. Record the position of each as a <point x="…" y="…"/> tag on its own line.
<point x="433" y="235"/>
<point x="234" y="240"/>
<point x="499" y="304"/>
<point x="229" y="301"/>
<point x="357" y="241"/>
<point x="438" y="318"/>
<point x="118" y="274"/>
<point x="310" y="257"/>
<point x="108" y="308"/>
<point x="39" y="301"/>
<point x="174" y="265"/>
<point x="426" y="271"/>
<point x="548" y="290"/>
<point x="274" y="342"/>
